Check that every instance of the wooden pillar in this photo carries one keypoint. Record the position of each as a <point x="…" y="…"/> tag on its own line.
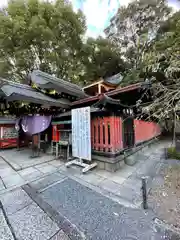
<point x="99" y="88"/>
<point x="101" y="134"/>
<point x="92" y="134"/>
<point x="35" y="145"/>
<point x="112" y="132"/>
<point x="106" y="133"/>
<point x="96" y="135"/>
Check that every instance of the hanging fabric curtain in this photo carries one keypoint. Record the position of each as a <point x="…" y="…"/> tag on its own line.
<point x="35" y="124"/>
<point x="17" y="127"/>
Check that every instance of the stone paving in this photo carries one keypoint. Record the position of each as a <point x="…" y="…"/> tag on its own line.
<point x="5" y="232"/>
<point x="10" y="178"/>
<point x="19" y="160"/>
<point x="99" y="217"/>
<point x="124" y="185"/>
<point x="105" y="209"/>
<point x="96" y="216"/>
<point x="28" y="221"/>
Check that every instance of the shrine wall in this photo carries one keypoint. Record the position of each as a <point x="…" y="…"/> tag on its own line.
<point x="145" y="131"/>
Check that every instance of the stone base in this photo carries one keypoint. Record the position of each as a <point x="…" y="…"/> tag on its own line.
<point x="113" y="162"/>
<point x="110" y="164"/>
<point x="111" y="167"/>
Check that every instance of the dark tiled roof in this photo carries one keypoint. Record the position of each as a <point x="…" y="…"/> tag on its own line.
<point x="112" y="93"/>
<point x="46" y="81"/>
<point x="114" y="80"/>
<point x="16" y="91"/>
<point x="106" y="100"/>
<point x="68" y="113"/>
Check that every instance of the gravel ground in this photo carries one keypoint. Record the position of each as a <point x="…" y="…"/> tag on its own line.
<point x="100" y="217"/>
<point x="164" y="197"/>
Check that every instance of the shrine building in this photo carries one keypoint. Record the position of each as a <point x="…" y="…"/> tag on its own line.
<point x="118" y="126"/>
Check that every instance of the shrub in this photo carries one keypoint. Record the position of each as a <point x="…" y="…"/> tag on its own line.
<point x="173" y="153"/>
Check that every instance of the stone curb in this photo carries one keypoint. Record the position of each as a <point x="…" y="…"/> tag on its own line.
<point x="68" y="228"/>
<point x="15" y="167"/>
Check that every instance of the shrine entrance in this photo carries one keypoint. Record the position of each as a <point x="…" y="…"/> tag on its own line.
<point x="128" y="132"/>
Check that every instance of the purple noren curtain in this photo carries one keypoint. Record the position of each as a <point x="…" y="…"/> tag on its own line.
<point x="35" y="124"/>
<point x="17" y="127"/>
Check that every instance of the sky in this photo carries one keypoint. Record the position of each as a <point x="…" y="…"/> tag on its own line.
<point x="99" y="12"/>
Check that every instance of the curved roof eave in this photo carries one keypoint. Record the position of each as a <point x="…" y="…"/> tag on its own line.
<point x="46" y="81"/>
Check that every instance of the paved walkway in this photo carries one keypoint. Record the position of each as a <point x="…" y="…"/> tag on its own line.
<point x="59" y="203"/>
<point x="67" y="210"/>
<point x="11" y="178"/>
<point x="21" y="218"/>
<point x="19" y="160"/>
<point x="123" y="186"/>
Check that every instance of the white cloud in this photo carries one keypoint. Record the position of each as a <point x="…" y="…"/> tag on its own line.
<point x="97" y="13"/>
<point x="125" y="2"/>
<point x="3" y="2"/>
<point x="174" y="5"/>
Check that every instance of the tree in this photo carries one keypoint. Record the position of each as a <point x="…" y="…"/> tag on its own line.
<point x="40" y="35"/>
<point x="101" y="59"/>
<point x="164" y="65"/>
<point x="135" y="28"/>
<point x="166" y="49"/>
<point x="51" y="37"/>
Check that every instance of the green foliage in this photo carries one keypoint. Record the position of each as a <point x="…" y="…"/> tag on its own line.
<point x="101" y="59"/>
<point x="131" y="77"/>
<point x="48" y="36"/>
<point x="173" y="154"/>
<point x="165" y="52"/>
<point x="136" y="27"/>
<point x="37" y="34"/>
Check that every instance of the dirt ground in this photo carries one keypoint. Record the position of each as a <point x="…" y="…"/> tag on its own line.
<point x="165" y="197"/>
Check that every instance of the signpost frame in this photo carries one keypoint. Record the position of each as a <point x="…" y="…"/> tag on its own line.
<point x="81" y="139"/>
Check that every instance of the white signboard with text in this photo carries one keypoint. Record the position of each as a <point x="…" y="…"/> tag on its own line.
<point x="81" y="133"/>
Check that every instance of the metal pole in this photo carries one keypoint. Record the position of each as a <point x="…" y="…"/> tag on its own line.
<point x="144" y="192"/>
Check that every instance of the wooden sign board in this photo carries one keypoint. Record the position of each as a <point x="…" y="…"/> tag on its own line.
<point x="81" y="133"/>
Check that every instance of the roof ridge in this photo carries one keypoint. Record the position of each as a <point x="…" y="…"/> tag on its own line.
<point x="21" y="85"/>
<point x="58" y="79"/>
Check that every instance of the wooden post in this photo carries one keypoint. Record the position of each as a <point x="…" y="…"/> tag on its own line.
<point x="144" y="192"/>
<point x="106" y="134"/>
<point x="101" y="134"/>
<point x="99" y="88"/>
<point x="113" y="141"/>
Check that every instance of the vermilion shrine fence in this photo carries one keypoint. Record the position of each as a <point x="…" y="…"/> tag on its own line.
<point x="107" y="133"/>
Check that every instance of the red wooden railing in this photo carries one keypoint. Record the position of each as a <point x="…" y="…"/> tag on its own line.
<point x="56" y="134"/>
<point x="106" y="134"/>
